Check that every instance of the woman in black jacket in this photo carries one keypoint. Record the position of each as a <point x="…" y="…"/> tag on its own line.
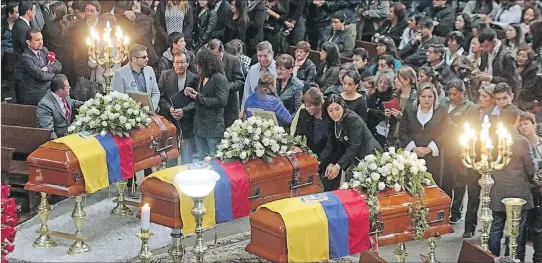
<point x="527" y="69"/>
<point x="349" y="140"/>
<point x="257" y="14"/>
<point x="173" y="16"/>
<point x="328" y="70"/>
<point x="396" y="23"/>
<point x="304" y="68"/>
<point x="311" y="124"/>
<point x="274" y="27"/>
<point x="375" y="107"/>
<point x="55" y="34"/>
<point x="236" y="24"/>
<point x="211" y="97"/>
<point x="207" y="18"/>
<point x="422" y="127"/>
<point x="355" y="101"/>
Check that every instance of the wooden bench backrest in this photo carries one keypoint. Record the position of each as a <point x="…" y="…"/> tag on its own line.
<point x="369" y="46"/>
<point x="19" y="115"/>
<point x="24" y="139"/>
<point x="7" y="156"/>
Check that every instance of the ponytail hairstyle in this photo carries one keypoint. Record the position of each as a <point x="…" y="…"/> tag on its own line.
<point x="267" y="85"/>
<point x="61" y="10"/>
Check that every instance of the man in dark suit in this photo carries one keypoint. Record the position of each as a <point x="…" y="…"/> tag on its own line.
<point x="176" y="107"/>
<point x="36" y="72"/>
<point x="27" y="12"/>
<point x="236" y="79"/>
<point x="43" y="14"/>
<point x="502" y="67"/>
<point x="56" y="110"/>
<point x="78" y="33"/>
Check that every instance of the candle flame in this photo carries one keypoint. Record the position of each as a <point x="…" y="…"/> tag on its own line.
<point x="107" y="25"/>
<point x="146" y="205"/>
<point x="89" y="42"/>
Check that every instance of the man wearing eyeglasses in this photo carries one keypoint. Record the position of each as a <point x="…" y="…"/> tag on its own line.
<point x="136" y="75"/>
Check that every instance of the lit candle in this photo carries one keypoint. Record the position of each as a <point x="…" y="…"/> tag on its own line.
<point x="146" y="217"/>
<point x="126" y="40"/>
<point x="107" y="25"/>
<point x="89" y="42"/>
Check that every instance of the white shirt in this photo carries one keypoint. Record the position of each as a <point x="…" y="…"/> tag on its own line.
<point x="424" y="118"/>
<point x="450" y="57"/>
<point x="61" y="102"/>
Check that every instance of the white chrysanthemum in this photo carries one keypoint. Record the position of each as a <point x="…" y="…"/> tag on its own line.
<point x="229" y="154"/>
<point x="97" y="102"/>
<point x="260" y="153"/>
<point x="344" y="186"/>
<point x="238" y="122"/>
<point x="130" y="111"/>
<point x="381" y="186"/>
<point x="103" y="133"/>
<point x="250" y="129"/>
<point x="226" y="134"/>
<point x="148" y="121"/>
<point x="243" y="155"/>
<point x="104" y="123"/>
<point x="83" y="108"/>
<point x="117" y="107"/>
<point x="122" y="119"/>
<point x="108" y="108"/>
<point x="385" y="157"/>
<point x="128" y="126"/>
<point x="401" y="166"/>
<point x="236" y="139"/>
<point x="357" y="175"/>
<point x="267" y="133"/>
<point x="104" y="116"/>
<point x="246" y="141"/>
<point x="368" y="180"/>
<point x="394" y="171"/>
<point x="256" y="137"/>
<point x="138" y="120"/>
<point x="136" y="112"/>
<point x="275" y="147"/>
<point x="373" y="166"/>
<point x="146" y="108"/>
<point x="219" y="154"/>
<point x="370" y="158"/>
<point x="375" y="176"/>
<point x="283" y="148"/>
<point x="356" y="183"/>
<point x="92" y="124"/>
<point x="427" y="181"/>
<point x="391" y="150"/>
<point x="126" y="105"/>
<point x="71" y="128"/>
<point x="414" y="170"/>
<point x="125" y="96"/>
<point x="266" y="142"/>
<point x="98" y="95"/>
<point x="397" y="187"/>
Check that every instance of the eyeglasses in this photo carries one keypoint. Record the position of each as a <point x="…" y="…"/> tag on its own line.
<point x="180" y="62"/>
<point x="143" y="57"/>
<point x="283" y="69"/>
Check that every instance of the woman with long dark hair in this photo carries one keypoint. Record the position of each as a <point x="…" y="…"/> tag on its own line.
<point x="463" y="24"/>
<point x="211" y="98"/>
<point x="236" y="24"/>
<point x="527" y="69"/>
<point x="395" y="24"/>
<point x="348" y="141"/>
<point x="207" y="18"/>
<point x="528" y="15"/>
<point x="514" y="38"/>
<point x="55" y="34"/>
<point x="328" y="70"/>
<point x="356" y="102"/>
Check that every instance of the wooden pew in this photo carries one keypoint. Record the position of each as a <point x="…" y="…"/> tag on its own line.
<point x="369" y="46"/>
<point x="7" y="157"/>
<point x="23" y="141"/>
<point x="19" y="115"/>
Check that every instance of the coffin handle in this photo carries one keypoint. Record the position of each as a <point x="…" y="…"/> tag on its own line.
<point x="168" y="145"/>
<point x="256" y="194"/>
<point x="440" y="217"/>
<point x="75" y="175"/>
<point x="295" y="185"/>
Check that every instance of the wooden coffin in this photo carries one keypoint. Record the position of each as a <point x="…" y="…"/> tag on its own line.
<point x="268" y="182"/>
<point x="268" y="233"/>
<point x="54" y="169"/>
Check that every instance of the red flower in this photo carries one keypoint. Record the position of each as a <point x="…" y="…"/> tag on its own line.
<point x="9" y="206"/>
<point x="4" y="260"/>
<point x="10" y="247"/>
<point x="5" y="191"/>
<point x="4" y="252"/>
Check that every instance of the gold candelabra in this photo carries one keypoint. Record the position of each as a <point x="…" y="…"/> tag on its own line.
<point x="513" y="219"/>
<point x="104" y="54"/>
<point x="486" y="165"/>
<point x="145" y="253"/>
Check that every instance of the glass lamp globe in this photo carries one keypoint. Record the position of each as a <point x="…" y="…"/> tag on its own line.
<point x="196" y="183"/>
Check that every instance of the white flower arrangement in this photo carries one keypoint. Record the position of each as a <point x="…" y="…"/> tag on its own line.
<point x="115" y="113"/>
<point x="395" y="169"/>
<point x="255" y="138"/>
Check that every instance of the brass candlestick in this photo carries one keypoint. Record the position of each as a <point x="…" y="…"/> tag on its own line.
<point x="401" y="252"/>
<point x="176" y="251"/>
<point x="145" y="254"/>
<point x="485" y="166"/>
<point x="44" y="209"/>
<point x="198" y="212"/>
<point x="107" y="60"/>
<point x="78" y="217"/>
<point x="121" y="209"/>
<point x="513" y="219"/>
<point x="431" y="246"/>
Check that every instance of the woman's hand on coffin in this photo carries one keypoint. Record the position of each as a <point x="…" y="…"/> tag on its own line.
<point x="334" y="172"/>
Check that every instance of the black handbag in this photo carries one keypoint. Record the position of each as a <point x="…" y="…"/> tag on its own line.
<point x="86" y="89"/>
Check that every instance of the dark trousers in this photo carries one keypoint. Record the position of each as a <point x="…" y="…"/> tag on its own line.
<point x="535" y="223"/>
<point x="298" y="33"/>
<point x="473" y="191"/>
<point x="453" y="182"/>
<point x="316" y="35"/>
<point x="496" y="233"/>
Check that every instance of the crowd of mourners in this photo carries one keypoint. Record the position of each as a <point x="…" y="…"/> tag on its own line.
<point x="382" y="73"/>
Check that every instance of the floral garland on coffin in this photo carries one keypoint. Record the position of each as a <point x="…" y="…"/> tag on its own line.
<point x="255" y="138"/>
<point x="115" y="113"/>
<point x="9" y="221"/>
<point x="398" y="170"/>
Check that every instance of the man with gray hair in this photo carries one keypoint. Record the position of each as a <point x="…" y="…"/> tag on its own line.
<point x="266" y="64"/>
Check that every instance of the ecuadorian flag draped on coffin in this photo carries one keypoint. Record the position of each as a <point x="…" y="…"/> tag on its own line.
<point x="228" y="200"/>
<point x="104" y="160"/>
<point x="324" y="226"/>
